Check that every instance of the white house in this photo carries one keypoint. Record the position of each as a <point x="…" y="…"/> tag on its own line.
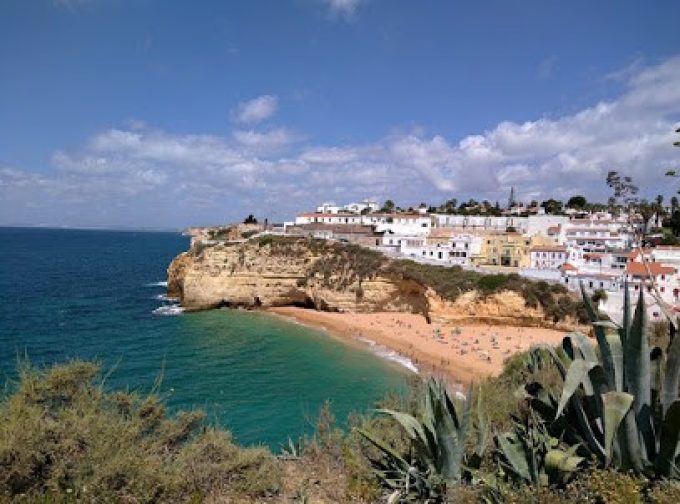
<point x="481" y="222"/>
<point x="328" y="208"/>
<point x="548" y="257"/>
<point x="542" y="224"/>
<point x="366" y="205"/>
<point x="666" y="254"/>
<point x="407" y="224"/>
<point x="453" y="249"/>
<point x="327" y="218"/>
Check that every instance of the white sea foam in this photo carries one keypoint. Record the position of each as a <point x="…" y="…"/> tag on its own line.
<point x="165" y="297"/>
<point x="157" y="284"/>
<point x="168" y="310"/>
<point x="388" y="354"/>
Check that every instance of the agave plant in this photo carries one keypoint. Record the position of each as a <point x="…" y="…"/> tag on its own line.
<point x="530" y="455"/>
<point x="437" y="454"/>
<point x="620" y="399"/>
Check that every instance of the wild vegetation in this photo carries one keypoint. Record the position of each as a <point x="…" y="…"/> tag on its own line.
<point x="590" y="422"/>
<point x="450" y="282"/>
<point x="558" y="425"/>
<point x="63" y="435"/>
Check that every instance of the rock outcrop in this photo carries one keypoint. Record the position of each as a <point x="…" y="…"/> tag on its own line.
<point x="261" y="273"/>
<point x="254" y="275"/>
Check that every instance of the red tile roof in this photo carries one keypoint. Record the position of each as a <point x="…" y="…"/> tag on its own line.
<point x="568" y="267"/>
<point x="656" y="269"/>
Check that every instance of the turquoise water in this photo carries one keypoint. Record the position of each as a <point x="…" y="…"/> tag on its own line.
<point x="96" y="294"/>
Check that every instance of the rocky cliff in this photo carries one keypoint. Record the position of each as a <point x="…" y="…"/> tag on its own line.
<point x="282" y="272"/>
<point x="299" y="272"/>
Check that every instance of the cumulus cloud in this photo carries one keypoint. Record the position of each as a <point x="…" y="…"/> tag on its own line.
<point x="256" y="110"/>
<point x="276" y="172"/>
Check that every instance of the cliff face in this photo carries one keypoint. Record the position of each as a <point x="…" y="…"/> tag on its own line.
<point x="300" y="273"/>
<point x="254" y="275"/>
<point x="503" y="308"/>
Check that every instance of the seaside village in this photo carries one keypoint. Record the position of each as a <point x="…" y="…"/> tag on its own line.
<point x="573" y="247"/>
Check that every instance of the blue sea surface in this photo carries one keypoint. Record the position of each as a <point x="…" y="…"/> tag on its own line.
<point x="98" y="295"/>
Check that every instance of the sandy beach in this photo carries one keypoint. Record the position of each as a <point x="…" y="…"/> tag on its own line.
<point x="463" y="353"/>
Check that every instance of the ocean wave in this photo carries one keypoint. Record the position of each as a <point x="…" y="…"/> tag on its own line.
<point x="165" y="297"/>
<point x="390" y="355"/>
<point x="168" y="310"/>
<point x="157" y="284"/>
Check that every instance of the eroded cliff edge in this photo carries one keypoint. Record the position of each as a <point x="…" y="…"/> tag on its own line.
<point x="278" y="271"/>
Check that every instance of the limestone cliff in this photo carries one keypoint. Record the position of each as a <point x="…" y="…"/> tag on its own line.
<point x="299" y="272"/>
<point x="283" y="273"/>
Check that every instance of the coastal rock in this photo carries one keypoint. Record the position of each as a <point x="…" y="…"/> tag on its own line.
<point x="253" y="275"/>
<point x="503" y="308"/>
<point x="303" y="273"/>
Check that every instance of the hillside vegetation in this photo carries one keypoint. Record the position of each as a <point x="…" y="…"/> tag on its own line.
<point x="341" y="265"/>
<point x="64" y="438"/>
<point x="62" y="435"/>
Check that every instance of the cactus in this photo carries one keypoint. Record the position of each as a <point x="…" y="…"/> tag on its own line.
<point x="619" y="400"/>
<point x="437" y="437"/>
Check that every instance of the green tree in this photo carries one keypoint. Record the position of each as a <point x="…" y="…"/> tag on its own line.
<point x="388" y="206"/>
<point x="577" y="202"/>
<point x="250" y="219"/>
<point x="675" y="223"/>
<point x="552" y="206"/>
<point x="450" y="206"/>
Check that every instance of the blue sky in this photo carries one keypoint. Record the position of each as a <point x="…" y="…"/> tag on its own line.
<point x="168" y="113"/>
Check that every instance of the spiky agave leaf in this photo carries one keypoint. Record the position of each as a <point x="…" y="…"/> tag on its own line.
<point x="670" y="435"/>
<point x="616" y="406"/>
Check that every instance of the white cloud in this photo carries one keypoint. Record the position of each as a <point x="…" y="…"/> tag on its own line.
<point x="142" y="168"/>
<point x="345" y="8"/>
<point x="256" y="110"/>
<point x="269" y="140"/>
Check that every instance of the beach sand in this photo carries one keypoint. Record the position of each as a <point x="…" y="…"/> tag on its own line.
<point x="463" y="353"/>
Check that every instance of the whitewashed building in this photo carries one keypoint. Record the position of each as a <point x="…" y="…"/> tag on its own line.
<point x="548" y="257"/>
<point x="454" y="249"/>
<point x="328" y="208"/>
<point x="363" y="206"/>
<point x="328" y="218"/>
<point x="406" y="224"/>
<point x="481" y="222"/>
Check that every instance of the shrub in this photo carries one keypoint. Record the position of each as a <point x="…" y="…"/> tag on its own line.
<point x="62" y="435"/>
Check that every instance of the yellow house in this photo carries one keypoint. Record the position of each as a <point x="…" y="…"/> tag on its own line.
<point x="508" y="249"/>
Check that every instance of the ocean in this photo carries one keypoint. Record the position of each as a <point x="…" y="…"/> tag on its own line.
<point x="100" y="295"/>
